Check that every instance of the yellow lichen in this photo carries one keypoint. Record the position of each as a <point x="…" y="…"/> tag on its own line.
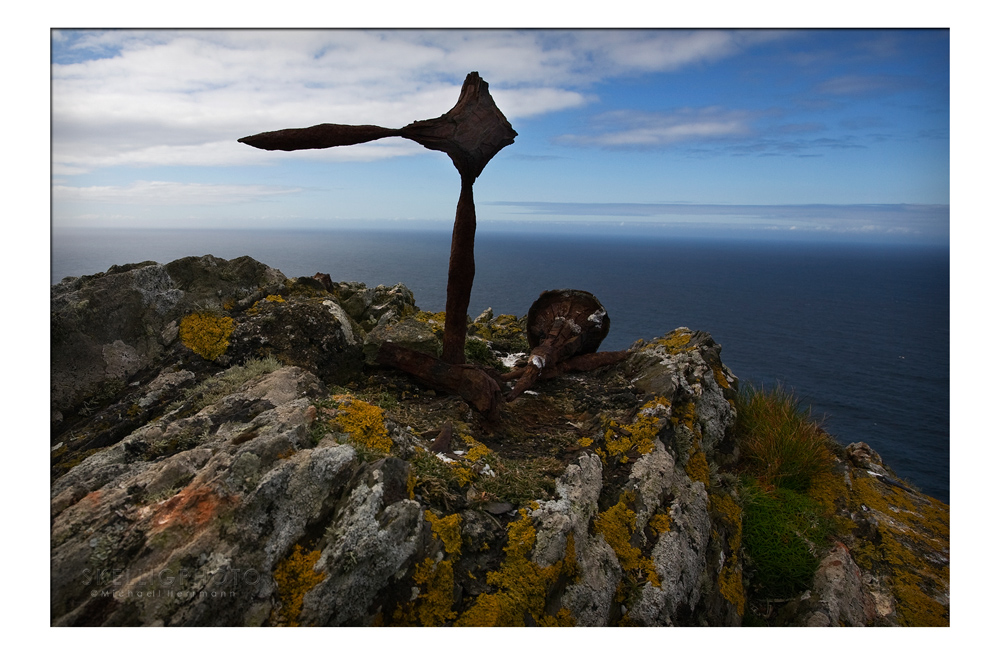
<point x="522" y="584"/>
<point x="206" y="334"/>
<point x="294" y="577"/>
<point x="731" y="585"/>
<point x="617" y="525"/>
<point x="434" y="319"/>
<point x="448" y="529"/>
<point x="674" y="342"/>
<point x="478" y="450"/>
<point x="720" y="378"/>
<point x="365" y="423"/>
<point x="730" y="578"/>
<point x="465" y="475"/>
<point x="411" y="484"/>
<point x="619" y="439"/>
<point x="273" y="298"/>
<point x="697" y="467"/>
<point x="905" y="532"/>
<point x="437" y="584"/>
<point x="660" y="522"/>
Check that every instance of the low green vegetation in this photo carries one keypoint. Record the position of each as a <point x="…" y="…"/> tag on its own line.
<point x="784" y="453"/>
<point x="212" y="389"/>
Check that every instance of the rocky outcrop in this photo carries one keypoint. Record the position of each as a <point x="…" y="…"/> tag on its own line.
<point x="259" y="472"/>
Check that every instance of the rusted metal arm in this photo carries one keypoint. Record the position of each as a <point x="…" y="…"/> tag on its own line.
<point x="468" y="381"/>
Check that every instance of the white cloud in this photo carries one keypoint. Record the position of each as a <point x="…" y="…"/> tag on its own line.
<point x="134" y="98"/>
<point x="627" y="129"/>
<point x="154" y="193"/>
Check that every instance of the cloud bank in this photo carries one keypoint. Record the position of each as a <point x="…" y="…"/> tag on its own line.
<point x="137" y="98"/>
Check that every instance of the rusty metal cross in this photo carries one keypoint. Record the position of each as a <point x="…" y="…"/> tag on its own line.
<point x="471" y="133"/>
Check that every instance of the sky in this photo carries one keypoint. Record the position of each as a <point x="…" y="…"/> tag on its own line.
<point x="813" y="132"/>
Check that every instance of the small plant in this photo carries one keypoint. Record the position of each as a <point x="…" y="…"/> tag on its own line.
<point x="781" y="446"/>
<point x="478" y="351"/>
<point x="784" y="452"/>
<point x="209" y="391"/>
<point x="782" y="534"/>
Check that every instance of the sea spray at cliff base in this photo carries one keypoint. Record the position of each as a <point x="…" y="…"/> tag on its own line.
<point x="858" y="331"/>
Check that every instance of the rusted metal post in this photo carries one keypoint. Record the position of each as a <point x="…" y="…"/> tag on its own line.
<point x="461" y="273"/>
<point x="471" y="133"/>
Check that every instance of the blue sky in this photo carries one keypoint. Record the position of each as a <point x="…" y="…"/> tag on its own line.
<point x="832" y="133"/>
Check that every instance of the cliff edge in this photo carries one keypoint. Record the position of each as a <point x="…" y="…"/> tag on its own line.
<point x="225" y="453"/>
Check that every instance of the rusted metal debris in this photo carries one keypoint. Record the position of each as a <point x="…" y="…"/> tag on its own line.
<point x="565" y="329"/>
<point x="469" y="381"/>
<point x="471" y="133"/>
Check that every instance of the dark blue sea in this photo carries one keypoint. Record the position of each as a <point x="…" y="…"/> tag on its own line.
<point x="858" y="331"/>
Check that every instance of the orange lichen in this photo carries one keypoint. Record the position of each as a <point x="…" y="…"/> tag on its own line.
<point x="908" y="526"/>
<point x="206" y="334"/>
<point x="191" y="507"/>
<point x="731" y="577"/>
<point x="660" y="522"/>
<point x="432" y="607"/>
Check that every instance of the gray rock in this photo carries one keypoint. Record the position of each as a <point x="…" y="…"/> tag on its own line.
<point x="408" y="332"/>
<point x="110" y="325"/>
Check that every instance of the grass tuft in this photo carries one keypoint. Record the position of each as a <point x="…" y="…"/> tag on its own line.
<point x="780" y="445"/>
<point x="784" y="453"/>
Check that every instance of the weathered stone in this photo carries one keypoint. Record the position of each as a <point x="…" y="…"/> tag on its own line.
<point x="108" y="326"/>
<point x="410" y="333"/>
<point x="190" y="496"/>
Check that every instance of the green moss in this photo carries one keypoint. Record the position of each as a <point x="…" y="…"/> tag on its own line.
<point x="478" y="351"/>
<point x="293" y="577"/>
<point x="206" y="333"/>
<point x="782" y="531"/>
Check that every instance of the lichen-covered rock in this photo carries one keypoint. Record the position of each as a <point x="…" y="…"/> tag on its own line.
<point x="408" y="332"/>
<point x="370" y="306"/>
<point x="312" y="333"/>
<point x="108" y="326"/>
<point x="213" y="478"/>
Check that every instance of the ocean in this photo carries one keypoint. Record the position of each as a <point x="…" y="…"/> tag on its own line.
<point x="859" y="332"/>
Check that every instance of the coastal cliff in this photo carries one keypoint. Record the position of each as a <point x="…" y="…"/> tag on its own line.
<point x="226" y="452"/>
